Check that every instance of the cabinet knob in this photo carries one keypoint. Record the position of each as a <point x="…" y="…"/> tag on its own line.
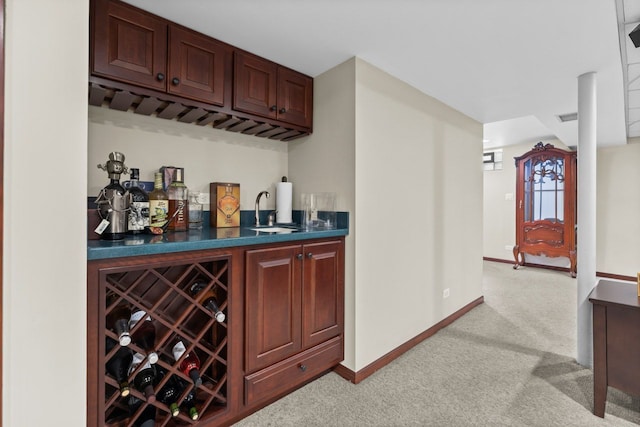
<point x="303" y="368"/>
<point x="160" y="77"/>
<point x="273" y="108"/>
<point x="299" y="256"/>
<point x="310" y="255"/>
<point x="175" y="81"/>
<point x="282" y="111"/>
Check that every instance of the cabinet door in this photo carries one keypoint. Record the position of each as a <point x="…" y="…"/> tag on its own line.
<point x="255" y="85"/>
<point x="322" y="292"/>
<point x="129" y="45"/>
<point x="196" y="66"/>
<point x="295" y="97"/>
<point x="272" y="327"/>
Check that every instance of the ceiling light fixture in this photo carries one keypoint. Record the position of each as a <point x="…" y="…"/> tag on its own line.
<point x="569" y="117"/>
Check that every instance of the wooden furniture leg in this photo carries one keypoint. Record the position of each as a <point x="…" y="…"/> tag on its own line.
<point x="599" y="359"/>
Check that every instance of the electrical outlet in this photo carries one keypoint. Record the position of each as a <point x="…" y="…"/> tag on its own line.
<point x="445" y="293"/>
<point x="508" y="247"/>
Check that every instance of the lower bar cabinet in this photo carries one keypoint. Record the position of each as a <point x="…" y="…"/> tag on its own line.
<point x="207" y="337"/>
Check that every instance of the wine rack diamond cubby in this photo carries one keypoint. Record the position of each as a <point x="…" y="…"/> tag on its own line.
<point x="173" y="365"/>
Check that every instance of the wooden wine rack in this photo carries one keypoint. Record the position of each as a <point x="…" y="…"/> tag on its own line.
<point x="162" y="290"/>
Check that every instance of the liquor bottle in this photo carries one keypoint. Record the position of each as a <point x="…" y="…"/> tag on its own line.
<point x="118" y="321"/>
<point x="118" y="365"/>
<point x="145" y="378"/>
<point x="145" y="335"/>
<point x="158" y="203"/>
<point x="139" y="205"/>
<point x="170" y="392"/>
<point x="190" y="365"/>
<point x="207" y="299"/>
<point x="178" y="197"/>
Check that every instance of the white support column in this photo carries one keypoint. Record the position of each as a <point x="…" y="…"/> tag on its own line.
<point x="587" y="115"/>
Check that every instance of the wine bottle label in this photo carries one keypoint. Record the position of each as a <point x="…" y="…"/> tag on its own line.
<point x="138" y="216"/>
<point x="158" y="212"/>
<point x="178" y="350"/>
<point x="137" y="316"/>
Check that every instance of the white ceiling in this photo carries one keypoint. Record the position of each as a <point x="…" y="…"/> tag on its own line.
<point x="493" y="60"/>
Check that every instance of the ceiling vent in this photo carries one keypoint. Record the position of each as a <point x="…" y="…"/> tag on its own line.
<point x="568" y="117"/>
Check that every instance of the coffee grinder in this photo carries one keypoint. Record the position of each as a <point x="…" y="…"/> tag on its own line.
<point x="113" y="201"/>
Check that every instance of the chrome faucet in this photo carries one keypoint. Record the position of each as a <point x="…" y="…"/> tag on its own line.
<point x="267" y="195"/>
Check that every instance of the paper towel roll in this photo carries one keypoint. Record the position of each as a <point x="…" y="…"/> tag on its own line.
<point x="284" y="197"/>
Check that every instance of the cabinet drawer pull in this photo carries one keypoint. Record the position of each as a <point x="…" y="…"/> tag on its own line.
<point x="303" y="368"/>
<point x="310" y="255"/>
<point x="282" y="111"/>
<point x="273" y="108"/>
<point x="175" y="81"/>
<point x="299" y="256"/>
<point x="160" y="77"/>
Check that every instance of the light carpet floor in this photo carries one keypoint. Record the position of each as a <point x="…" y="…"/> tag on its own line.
<point x="508" y="362"/>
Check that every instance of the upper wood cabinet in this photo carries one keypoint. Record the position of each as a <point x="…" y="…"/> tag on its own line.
<point x="267" y="89"/>
<point x="128" y="45"/>
<point x="136" y="47"/>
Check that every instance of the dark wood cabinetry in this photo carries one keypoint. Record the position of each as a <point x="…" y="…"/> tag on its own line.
<point x="267" y="89"/>
<point x="135" y="47"/>
<point x="162" y="287"/>
<point x="144" y="63"/>
<point x="284" y="307"/>
<point x="294" y="310"/>
<point x="546" y="204"/>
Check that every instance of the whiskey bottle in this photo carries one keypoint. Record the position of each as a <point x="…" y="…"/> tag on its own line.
<point x="207" y="299"/>
<point x="158" y="203"/>
<point x="139" y="205"/>
<point x="118" y="365"/>
<point x="145" y="335"/>
<point x="178" y="197"/>
<point x="190" y="365"/>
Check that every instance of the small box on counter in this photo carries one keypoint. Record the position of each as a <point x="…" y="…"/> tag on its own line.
<point x="224" y="204"/>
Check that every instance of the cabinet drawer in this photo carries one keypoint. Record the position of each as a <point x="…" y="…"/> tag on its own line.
<point x="293" y="371"/>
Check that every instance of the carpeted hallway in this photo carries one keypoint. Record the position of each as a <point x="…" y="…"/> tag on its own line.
<point x="508" y="362"/>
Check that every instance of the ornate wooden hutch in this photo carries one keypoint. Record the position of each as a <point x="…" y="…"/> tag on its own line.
<point x="546" y="204"/>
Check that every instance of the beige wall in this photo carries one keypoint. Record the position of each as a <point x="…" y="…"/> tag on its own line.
<point x="325" y="161"/>
<point x="44" y="266"/>
<point x="207" y="154"/>
<point x="418" y="197"/>
<point x="384" y="148"/>
<point x="618" y="201"/>
<point x="618" y="210"/>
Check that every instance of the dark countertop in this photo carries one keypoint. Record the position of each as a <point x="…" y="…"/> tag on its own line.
<point x="207" y="238"/>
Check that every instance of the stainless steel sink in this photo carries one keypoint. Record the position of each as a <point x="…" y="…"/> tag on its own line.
<point x="275" y="229"/>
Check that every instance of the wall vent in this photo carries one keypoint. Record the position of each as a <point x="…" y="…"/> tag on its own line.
<point x="569" y="117"/>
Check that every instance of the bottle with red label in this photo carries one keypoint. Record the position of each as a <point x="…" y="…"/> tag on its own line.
<point x="190" y="364"/>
